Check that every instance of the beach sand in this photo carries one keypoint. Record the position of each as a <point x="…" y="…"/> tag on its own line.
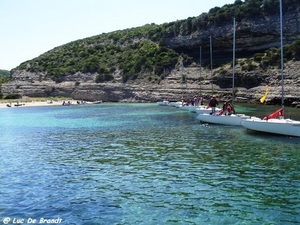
<point x="20" y="103"/>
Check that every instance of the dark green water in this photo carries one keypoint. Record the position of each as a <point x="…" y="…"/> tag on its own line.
<point x="144" y="164"/>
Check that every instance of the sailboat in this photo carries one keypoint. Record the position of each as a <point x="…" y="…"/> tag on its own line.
<point x="202" y="108"/>
<point x="184" y="105"/>
<point x="275" y="123"/>
<point x="218" y="117"/>
<point x="163" y="103"/>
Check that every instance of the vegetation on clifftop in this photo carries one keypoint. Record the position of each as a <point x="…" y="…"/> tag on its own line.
<point x="144" y="50"/>
<point x="4" y="76"/>
<point x="271" y="57"/>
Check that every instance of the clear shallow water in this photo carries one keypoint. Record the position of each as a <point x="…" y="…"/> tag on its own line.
<point x="143" y="164"/>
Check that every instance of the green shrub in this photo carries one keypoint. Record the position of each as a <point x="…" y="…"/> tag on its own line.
<point x="258" y="57"/>
<point x="13" y="96"/>
<point x="103" y="77"/>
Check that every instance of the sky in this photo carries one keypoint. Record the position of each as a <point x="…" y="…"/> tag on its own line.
<point x="30" y="28"/>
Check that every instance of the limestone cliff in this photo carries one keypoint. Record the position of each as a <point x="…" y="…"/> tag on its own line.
<point x="253" y="35"/>
<point x="249" y="86"/>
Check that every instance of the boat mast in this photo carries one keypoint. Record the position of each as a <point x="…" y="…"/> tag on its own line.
<point x="183" y="76"/>
<point x="200" y="68"/>
<point x="281" y="52"/>
<point x="233" y="62"/>
<point x="211" y="75"/>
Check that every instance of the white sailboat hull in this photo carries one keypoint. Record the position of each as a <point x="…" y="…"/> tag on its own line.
<point x="175" y="104"/>
<point x="185" y="107"/>
<point x="233" y="120"/>
<point x="275" y="126"/>
<point x="201" y="110"/>
<point x="193" y="108"/>
<point x="163" y="103"/>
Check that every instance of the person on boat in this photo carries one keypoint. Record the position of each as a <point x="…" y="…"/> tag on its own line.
<point x="196" y="100"/>
<point x="192" y="102"/>
<point x="213" y="104"/>
<point x="201" y="101"/>
<point x="232" y="108"/>
<point x="229" y="109"/>
<point x="224" y="108"/>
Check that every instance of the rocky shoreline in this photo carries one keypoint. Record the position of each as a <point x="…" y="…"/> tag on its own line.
<point x="249" y="87"/>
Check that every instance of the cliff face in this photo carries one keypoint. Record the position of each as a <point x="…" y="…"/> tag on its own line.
<point x="252" y="36"/>
<point x="249" y="86"/>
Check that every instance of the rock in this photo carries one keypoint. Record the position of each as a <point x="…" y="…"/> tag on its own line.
<point x="83" y="87"/>
<point x="255" y="35"/>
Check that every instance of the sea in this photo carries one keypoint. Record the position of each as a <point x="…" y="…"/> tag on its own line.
<point x="144" y="164"/>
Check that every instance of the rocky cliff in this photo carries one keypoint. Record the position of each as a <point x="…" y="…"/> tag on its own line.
<point x="252" y="36"/>
<point x="249" y="86"/>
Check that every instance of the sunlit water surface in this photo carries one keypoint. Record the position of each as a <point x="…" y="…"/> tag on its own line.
<point x="143" y="164"/>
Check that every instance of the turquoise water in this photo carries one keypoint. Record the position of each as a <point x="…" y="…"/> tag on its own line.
<point x="143" y="164"/>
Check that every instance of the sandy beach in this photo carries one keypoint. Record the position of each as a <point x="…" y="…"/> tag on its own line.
<point x="36" y="103"/>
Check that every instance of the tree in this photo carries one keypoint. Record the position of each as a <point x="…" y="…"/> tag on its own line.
<point x="296" y="50"/>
